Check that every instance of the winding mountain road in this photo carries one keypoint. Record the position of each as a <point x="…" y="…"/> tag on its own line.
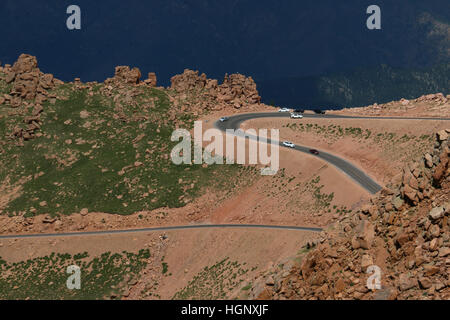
<point x="234" y="122"/>
<point x="356" y="174"/>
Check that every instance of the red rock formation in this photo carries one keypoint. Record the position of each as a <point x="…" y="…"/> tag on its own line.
<point x="29" y="82"/>
<point x="235" y="91"/>
<point x="151" y="80"/>
<point x="125" y="75"/>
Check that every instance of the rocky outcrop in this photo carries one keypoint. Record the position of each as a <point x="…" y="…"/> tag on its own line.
<point x="189" y="80"/>
<point x="124" y="75"/>
<point x="28" y="82"/>
<point x="151" y="80"/>
<point x="437" y="98"/>
<point x="236" y="90"/>
<point x="29" y="89"/>
<point x="240" y="88"/>
<point x="404" y="232"/>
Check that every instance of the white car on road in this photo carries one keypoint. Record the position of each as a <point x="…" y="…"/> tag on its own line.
<point x="284" y="110"/>
<point x="288" y="144"/>
<point x="296" y="116"/>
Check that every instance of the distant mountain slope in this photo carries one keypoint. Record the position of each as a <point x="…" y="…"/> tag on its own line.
<point x="357" y="88"/>
<point x="264" y="39"/>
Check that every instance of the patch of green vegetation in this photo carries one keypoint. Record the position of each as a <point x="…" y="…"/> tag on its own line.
<point x="45" y="278"/>
<point x="322" y="200"/>
<point x="302" y="252"/>
<point x="306" y="248"/>
<point x="112" y="157"/>
<point x="165" y="267"/>
<point x="213" y="282"/>
<point x="247" y="287"/>
<point x="4" y="87"/>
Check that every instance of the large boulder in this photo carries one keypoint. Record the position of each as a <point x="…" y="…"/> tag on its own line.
<point x="442" y="135"/>
<point x="441" y="171"/>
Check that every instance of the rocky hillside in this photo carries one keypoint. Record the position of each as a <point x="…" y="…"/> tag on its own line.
<point x="404" y="231"/>
<point x="104" y="147"/>
<point x="26" y="89"/>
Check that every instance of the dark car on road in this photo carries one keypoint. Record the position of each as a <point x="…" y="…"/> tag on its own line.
<point x="314" y="151"/>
